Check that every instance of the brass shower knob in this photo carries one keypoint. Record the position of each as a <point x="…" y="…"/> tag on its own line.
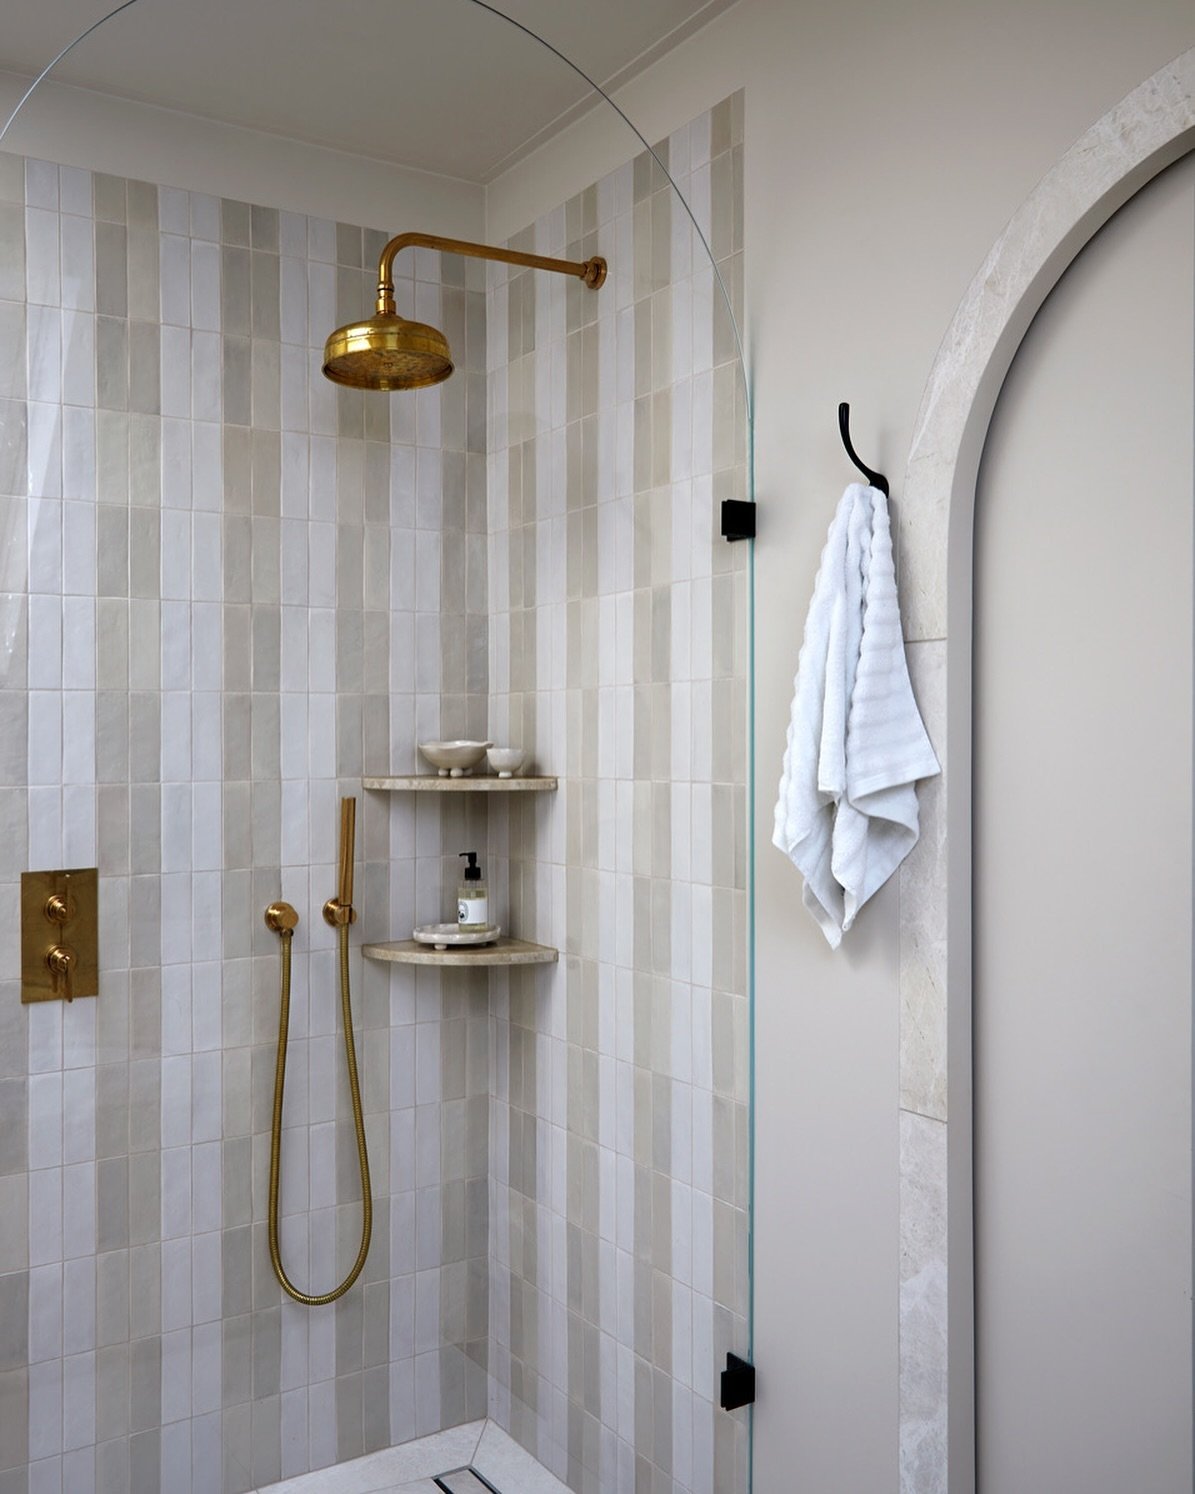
<point x="61" y="961"/>
<point x="59" y="908"/>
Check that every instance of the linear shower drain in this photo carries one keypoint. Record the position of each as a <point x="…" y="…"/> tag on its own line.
<point x="464" y="1481"/>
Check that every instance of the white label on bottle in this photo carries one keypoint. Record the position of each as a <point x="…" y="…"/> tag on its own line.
<point x="473" y="910"/>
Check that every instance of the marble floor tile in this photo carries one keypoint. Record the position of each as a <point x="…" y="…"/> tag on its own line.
<point x="413" y="1467"/>
<point x="511" y="1468"/>
<point x="393" y="1468"/>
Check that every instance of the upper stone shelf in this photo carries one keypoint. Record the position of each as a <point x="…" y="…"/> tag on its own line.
<point x="433" y="783"/>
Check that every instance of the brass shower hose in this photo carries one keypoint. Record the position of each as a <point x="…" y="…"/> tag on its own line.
<point x="283" y="919"/>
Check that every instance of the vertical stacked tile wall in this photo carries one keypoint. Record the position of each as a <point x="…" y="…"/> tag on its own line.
<point x="618" y="654"/>
<point x="226" y="588"/>
<point x="440" y="1146"/>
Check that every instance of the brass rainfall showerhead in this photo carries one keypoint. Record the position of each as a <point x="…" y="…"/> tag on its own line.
<point x="388" y="352"/>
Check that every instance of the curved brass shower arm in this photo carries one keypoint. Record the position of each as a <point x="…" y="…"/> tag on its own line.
<point x="591" y="271"/>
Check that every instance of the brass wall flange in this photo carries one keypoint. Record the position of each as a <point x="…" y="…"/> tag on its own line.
<point x="281" y="918"/>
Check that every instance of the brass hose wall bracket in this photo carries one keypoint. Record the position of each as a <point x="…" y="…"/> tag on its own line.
<point x="282" y="919"/>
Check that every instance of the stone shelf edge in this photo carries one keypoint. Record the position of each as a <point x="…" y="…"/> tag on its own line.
<point x="501" y="952"/>
<point x="432" y="782"/>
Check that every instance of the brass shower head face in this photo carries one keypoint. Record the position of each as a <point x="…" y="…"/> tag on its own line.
<point x="387" y="352"/>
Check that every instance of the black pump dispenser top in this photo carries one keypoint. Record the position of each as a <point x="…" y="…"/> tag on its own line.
<point x="472" y="870"/>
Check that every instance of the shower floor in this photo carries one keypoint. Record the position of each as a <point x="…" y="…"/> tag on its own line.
<point x="478" y="1458"/>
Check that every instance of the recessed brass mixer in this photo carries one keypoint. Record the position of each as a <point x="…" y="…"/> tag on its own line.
<point x="59" y="934"/>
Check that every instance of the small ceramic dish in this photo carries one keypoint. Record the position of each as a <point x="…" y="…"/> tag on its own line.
<point x="454" y="759"/>
<point x="451" y="935"/>
<point x="506" y="761"/>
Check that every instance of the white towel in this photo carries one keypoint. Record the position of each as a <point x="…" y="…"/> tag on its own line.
<point x="847" y="810"/>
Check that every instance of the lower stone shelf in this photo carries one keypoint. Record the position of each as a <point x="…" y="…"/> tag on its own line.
<point x="501" y="952"/>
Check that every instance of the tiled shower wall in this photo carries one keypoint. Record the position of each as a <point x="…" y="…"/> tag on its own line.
<point x="226" y="588"/>
<point x="619" y="652"/>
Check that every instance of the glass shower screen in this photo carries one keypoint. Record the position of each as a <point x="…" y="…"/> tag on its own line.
<point x="262" y="590"/>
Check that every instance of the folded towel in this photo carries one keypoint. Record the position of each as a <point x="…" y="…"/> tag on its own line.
<point x="847" y="809"/>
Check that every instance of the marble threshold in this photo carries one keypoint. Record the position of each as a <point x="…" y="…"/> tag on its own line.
<point x="413" y="1467"/>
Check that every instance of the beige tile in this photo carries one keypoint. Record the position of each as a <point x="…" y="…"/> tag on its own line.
<point x="13" y="1126"/>
<point x="112" y="362"/>
<point x="263" y="278"/>
<point x="142" y="257"/>
<point x="111" y="269"/>
<point x="265" y="1424"/>
<point x="14" y="1418"/>
<point x="235" y="220"/>
<point x="112" y="1212"/>
<point x="145" y="1384"/>
<point x="109" y="197"/>
<point x="14" y="1321"/>
<point x="112" y="1392"/>
<point x="12" y="250"/>
<point x="14" y="1222"/>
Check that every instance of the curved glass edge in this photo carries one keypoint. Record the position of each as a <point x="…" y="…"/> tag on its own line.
<point x="53" y="63"/>
<point x="634" y="129"/>
<point x="751" y="597"/>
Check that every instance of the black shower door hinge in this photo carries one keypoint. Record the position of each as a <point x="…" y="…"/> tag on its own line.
<point x="738" y="1383"/>
<point x="738" y="519"/>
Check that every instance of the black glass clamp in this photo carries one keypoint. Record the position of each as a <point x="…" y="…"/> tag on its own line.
<point x="738" y="1383"/>
<point x="738" y="519"/>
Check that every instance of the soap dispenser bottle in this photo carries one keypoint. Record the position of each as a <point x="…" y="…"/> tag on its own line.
<point x="472" y="906"/>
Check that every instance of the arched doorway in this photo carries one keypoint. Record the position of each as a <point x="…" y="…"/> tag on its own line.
<point x="1082" y="795"/>
<point x="1149" y="130"/>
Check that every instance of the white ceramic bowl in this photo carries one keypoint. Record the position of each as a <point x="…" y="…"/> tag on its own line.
<point x="506" y="761"/>
<point x="454" y="759"/>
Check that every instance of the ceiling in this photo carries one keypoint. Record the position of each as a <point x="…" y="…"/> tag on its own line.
<point x="440" y="85"/>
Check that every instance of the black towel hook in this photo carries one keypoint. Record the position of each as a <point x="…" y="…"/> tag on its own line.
<point x="876" y="479"/>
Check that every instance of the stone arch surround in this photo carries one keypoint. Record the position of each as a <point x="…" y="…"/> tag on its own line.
<point x="1146" y="132"/>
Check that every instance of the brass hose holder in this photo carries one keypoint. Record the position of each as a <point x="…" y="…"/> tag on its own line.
<point x="339" y="910"/>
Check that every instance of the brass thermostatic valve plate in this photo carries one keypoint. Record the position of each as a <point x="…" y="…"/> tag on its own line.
<point x="60" y="934"/>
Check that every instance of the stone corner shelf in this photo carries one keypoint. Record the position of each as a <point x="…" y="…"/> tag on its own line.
<point x="433" y="783"/>
<point x="501" y="952"/>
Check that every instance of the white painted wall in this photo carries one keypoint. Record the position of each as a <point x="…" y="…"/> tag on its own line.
<point x="886" y="147"/>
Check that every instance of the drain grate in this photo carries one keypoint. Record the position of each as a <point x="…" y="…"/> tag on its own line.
<point x="464" y="1481"/>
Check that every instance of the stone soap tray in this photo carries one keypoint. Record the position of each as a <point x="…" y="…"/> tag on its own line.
<point x="451" y="935"/>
